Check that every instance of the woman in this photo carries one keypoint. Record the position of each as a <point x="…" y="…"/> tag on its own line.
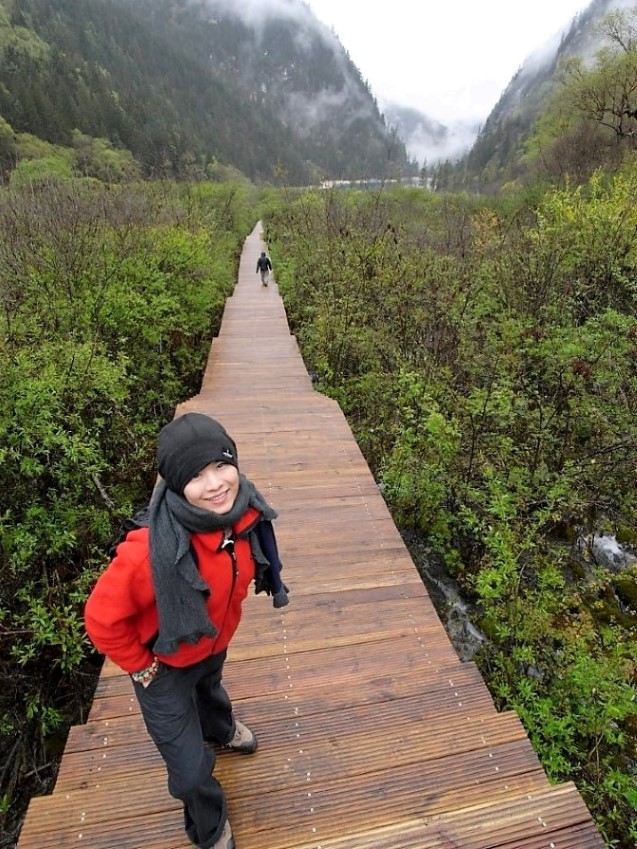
<point x="170" y="601"/>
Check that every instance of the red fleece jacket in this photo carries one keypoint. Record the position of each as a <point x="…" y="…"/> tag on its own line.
<point x="121" y="612"/>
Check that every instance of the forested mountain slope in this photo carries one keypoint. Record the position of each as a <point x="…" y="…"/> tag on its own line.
<point x="182" y="84"/>
<point x="538" y="107"/>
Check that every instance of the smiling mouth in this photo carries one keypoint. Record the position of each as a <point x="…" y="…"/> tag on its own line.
<point x="217" y="499"/>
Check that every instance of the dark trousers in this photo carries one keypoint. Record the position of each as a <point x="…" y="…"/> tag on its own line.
<point x="181" y="708"/>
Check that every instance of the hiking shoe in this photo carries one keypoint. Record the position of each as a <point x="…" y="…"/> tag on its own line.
<point x="244" y="740"/>
<point x="226" y="841"/>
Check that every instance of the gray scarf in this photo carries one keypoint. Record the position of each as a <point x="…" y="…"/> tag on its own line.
<point x="180" y="591"/>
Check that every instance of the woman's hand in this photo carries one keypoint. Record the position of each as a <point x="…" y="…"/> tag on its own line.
<point x="145" y="676"/>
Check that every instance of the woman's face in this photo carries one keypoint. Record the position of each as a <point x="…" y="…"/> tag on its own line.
<point x="214" y="488"/>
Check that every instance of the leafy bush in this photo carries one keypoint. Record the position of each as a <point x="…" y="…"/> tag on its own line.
<point x="486" y="357"/>
<point x="109" y="299"/>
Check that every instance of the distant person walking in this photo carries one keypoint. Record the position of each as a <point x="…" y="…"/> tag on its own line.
<point x="264" y="267"/>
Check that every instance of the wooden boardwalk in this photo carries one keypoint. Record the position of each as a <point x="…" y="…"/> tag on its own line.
<point x="372" y="732"/>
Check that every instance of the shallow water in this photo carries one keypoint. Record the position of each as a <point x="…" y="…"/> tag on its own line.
<point x="454" y="611"/>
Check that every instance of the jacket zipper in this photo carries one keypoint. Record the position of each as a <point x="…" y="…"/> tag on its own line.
<point x="228" y="546"/>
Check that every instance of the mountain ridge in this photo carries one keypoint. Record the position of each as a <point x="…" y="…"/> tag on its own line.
<point x="511" y="122"/>
<point x="182" y="84"/>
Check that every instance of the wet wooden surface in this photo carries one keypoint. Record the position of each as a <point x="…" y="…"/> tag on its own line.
<point x="372" y="732"/>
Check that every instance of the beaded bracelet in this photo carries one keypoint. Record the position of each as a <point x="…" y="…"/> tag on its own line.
<point x="146" y="674"/>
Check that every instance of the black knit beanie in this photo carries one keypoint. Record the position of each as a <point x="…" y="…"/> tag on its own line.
<point x="189" y="443"/>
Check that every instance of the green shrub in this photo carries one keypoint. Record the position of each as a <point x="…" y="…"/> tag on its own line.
<point x="109" y="301"/>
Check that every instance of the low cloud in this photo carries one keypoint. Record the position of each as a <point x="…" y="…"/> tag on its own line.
<point x="457" y="140"/>
<point x="428" y="140"/>
<point x="256" y="12"/>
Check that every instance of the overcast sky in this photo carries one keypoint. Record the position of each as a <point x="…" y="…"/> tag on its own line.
<point x="451" y="60"/>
